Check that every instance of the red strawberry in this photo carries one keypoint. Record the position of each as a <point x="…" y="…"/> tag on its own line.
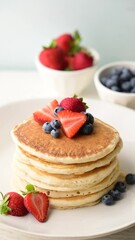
<point x="37" y="203"/>
<point x="71" y="122"/>
<point x="64" y="42"/>
<point x="53" y="58"/>
<point x="13" y="204"/>
<point x="46" y="114"/>
<point x="82" y="60"/>
<point x="74" y="104"/>
<point x="70" y="62"/>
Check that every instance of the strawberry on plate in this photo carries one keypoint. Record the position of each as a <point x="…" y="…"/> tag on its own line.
<point x="71" y="121"/>
<point x="13" y="204"/>
<point x="46" y="114"/>
<point x="37" y="203"/>
<point x="73" y="104"/>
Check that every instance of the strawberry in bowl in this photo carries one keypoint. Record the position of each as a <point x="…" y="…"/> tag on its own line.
<point x="66" y="66"/>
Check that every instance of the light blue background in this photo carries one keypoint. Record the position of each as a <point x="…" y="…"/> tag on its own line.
<point x="26" y="25"/>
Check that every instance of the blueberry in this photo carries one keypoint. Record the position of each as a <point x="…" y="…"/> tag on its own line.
<point x="47" y="127"/>
<point x="87" y="128"/>
<point x="133" y="90"/>
<point x="132" y="82"/>
<point x="116" y="71"/>
<point x="58" y="109"/>
<point x="55" y="123"/>
<point x="120" y="186"/>
<point x="130" y="178"/>
<point x="104" y="80"/>
<point x="115" y="88"/>
<point x="115" y="78"/>
<point x="110" y="82"/>
<point x="116" y="194"/>
<point x="107" y="199"/>
<point x="133" y="72"/>
<point x="90" y="118"/>
<point x="55" y="133"/>
<point x="125" y="75"/>
<point x="126" y="86"/>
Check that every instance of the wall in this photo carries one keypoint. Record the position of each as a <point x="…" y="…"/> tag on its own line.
<point x="26" y="25"/>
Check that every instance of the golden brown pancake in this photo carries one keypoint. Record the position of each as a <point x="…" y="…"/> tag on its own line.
<point x="82" y="148"/>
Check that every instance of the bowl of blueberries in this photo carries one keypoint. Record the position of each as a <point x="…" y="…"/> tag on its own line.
<point x="115" y="82"/>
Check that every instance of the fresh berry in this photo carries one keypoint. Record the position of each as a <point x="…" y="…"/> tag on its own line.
<point x="90" y="118"/>
<point x="70" y="62"/>
<point x="107" y="200"/>
<point x="126" y="86"/>
<point x="116" y="194"/>
<point x="82" y="60"/>
<point x="55" y="123"/>
<point x="58" y="109"/>
<point x="47" y="127"/>
<point x="120" y="80"/>
<point x="115" y="88"/>
<point x="46" y="114"/>
<point x="55" y="133"/>
<point x="120" y="186"/>
<point x="13" y="204"/>
<point x="87" y="128"/>
<point x="37" y="203"/>
<point x="132" y="82"/>
<point x="71" y="122"/>
<point x="73" y="104"/>
<point x="53" y="58"/>
<point x="130" y="178"/>
<point x="64" y="42"/>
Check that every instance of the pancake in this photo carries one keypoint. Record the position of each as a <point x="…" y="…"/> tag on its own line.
<point x="57" y="168"/>
<point x="69" y="182"/>
<point x="30" y="137"/>
<point x="19" y="183"/>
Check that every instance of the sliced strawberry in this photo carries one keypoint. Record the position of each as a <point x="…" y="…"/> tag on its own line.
<point x="46" y="114"/>
<point x="71" y="122"/>
<point x="37" y="204"/>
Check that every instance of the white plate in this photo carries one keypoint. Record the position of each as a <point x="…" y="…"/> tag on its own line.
<point x="81" y="223"/>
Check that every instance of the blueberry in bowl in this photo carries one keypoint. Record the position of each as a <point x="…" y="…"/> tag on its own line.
<point x="115" y="82"/>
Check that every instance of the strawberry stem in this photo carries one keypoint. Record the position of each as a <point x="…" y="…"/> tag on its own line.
<point x="4" y="209"/>
<point x="30" y="189"/>
<point x="85" y="104"/>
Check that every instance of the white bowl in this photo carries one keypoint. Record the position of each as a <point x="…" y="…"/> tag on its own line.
<point x="67" y="83"/>
<point x="126" y="99"/>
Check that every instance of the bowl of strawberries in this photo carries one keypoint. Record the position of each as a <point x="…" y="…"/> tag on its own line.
<point x="66" y="67"/>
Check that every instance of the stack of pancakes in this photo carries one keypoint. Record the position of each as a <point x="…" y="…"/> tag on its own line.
<point x="73" y="172"/>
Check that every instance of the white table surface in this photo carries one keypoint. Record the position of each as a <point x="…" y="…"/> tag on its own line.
<point x="17" y="85"/>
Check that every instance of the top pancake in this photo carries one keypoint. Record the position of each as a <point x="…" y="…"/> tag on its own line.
<point x="82" y="148"/>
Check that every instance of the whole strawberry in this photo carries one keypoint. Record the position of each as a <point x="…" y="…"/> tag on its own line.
<point x="82" y="60"/>
<point x="53" y="58"/>
<point x="37" y="203"/>
<point x="13" y="204"/>
<point x="64" y="42"/>
<point x="73" y="104"/>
